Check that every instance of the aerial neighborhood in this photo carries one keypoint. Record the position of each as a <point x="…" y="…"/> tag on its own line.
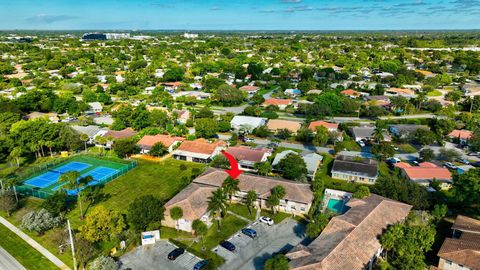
<point x="243" y="150"/>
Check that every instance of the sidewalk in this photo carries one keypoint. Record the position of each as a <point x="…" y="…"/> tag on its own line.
<point x="35" y="244"/>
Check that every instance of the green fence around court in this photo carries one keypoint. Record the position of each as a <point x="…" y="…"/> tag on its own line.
<point x="122" y="167"/>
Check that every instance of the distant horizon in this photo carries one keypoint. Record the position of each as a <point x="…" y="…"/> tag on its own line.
<point x="241" y="30"/>
<point x="245" y="15"/>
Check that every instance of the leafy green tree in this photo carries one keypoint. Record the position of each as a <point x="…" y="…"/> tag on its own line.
<point x="277" y="262"/>
<point x="262" y="132"/>
<point x="317" y="224"/>
<point x="361" y="192"/>
<point x="424" y="137"/>
<point x="56" y="203"/>
<point x="250" y="200"/>
<point x="205" y="128"/>
<point x="200" y="229"/>
<point x="228" y="95"/>
<point x="103" y="263"/>
<point x="125" y="147"/>
<point x="84" y="137"/>
<point x="448" y="154"/>
<point x="176" y="213"/>
<point x="400" y="189"/>
<point x="8" y="202"/>
<point x="304" y="135"/>
<point x="321" y="137"/>
<point x="144" y="212"/>
<point x="174" y="74"/>
<point x="383" y="150"/>
<point x="102" y="225"/>
<point x="276" y="194"/>
<point x="220" y="161"/>
<point x="427" y="154"/>
<point x="84" y="250"/>
<point x="217" y="205"/>
<point x="439" y="212"/>
<point x="466" y="190"/>
<point x="158" y="150"/>
<point x="293" y="167"/>
<point x="263" y="168"/>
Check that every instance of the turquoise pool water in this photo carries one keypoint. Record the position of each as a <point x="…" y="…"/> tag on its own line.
<point x="335" y="205"/>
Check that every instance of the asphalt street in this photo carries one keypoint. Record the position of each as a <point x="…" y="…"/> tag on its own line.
<point x="7" y="261"/>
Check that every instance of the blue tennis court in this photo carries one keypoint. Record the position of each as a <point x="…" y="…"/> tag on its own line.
<point x="98" y="174"/>
<point x="48" y="178"/>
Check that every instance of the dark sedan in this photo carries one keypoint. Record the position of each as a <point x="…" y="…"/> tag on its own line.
<point x="228" y="245"/>
<point x="175" y="253"/>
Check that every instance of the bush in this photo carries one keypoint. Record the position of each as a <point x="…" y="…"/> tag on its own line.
<point x="8" y="202"/>
<point x="40" y="221"/>
<point x="103" y="263"/>
<point x="57" y="203"/>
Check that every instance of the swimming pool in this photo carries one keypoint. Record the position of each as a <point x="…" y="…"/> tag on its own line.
<point x="336" y="205"/>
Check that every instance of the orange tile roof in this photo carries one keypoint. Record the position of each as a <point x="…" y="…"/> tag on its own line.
<point x="461" y="134"/>
<point x="201" y="146"/>
<point x="166" y="140"/>
<point x="276" y="124"/>
<point x="246" y="153"/>
<point x="249" y="88"/>
<point x="402" y="165"/>
<point x="120" y="134"/>
<point x="402" y="91"/>
<point x="350" y="92"/>
<point x="419" y="173"/>
<point x="424" y="72"/>
<point x="313" y="125"/>
<point x="277" y="101"/>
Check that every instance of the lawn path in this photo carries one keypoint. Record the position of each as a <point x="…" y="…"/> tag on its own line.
<point x="35" y="244"/>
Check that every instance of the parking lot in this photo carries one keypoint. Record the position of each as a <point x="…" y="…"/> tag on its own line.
<point x="252" y="253"/>
<point x="155" y="257"/>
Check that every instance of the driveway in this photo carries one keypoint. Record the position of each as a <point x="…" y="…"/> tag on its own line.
<point x="250" y="254"/>
<point x="155" y="257"/>
<point x="7" y="261"/>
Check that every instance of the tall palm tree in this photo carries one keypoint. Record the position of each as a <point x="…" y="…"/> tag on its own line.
<point x="276" y="194"/>
<point x="250" y="200"/>
<point x="378" y="134"/>
<point x="176" y="213"/>
<point x="15" y="154"/>
<point x="73" y="181"/>
<point x="84" y="137"/>
<point x="217" y="204"/>
<point x="50" y="145"/>
<point x="230" y="186"/>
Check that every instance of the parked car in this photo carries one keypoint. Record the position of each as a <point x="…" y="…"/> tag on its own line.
<point x="476" y="164"/>
<point x="464" y="161"/>
<point x="227" y="245"/>
<point x="200" y="265"/>
<point x="450" y="166"/>
<point x="395" y="148"/>
<point x="249" y="232"/>
<point x="361" y="143"/>
<point x="249" y="140"/>
<point x="266" y="220"/>
<point x="175" y="253"/>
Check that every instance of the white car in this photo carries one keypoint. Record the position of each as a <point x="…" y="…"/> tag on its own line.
<point x="361" y="143"/>
<point x="266" y="220"/>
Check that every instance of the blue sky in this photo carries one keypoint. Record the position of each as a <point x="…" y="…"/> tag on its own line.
<point x="240" y="15"/>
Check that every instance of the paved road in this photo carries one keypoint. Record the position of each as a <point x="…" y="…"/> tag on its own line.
<point x="34" y="244"/>
<point x="7" y="261"/>
<point x="252" y="253"/>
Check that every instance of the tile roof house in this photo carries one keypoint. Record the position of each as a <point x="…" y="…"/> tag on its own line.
<point x="462" y="251"/>
<point x="329" y="126"/>
<point x="247" y="123"/>
<point x="194" y="198"/>
<point x="95" y="107"/>
<point x="404" y="92"/>
<point x="312" y="160"/>
<point x="462" y="135"/>
<point x="367" y="133"/>
<point x="199" y="150"/>
<point x="183" y="116"/>
<point x="126" y="133"/>
<point x="148" y="141"/>
<point x="250" y="89"/>
<point x="350" y="241"/>
<point x="425" y="173"/>
<point x="351" y="93"/>
<point x="277" y="124"/>
<point x="355" y="169"/>
<point x="280" y="103"/>
<point x="52" y="117"/>
<point x="247" y="157"/>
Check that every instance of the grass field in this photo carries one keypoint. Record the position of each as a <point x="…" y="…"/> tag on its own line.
<point x="242" y="210"/>
<point x="406" y="148"/>
<point x="434" y="93"/>
<point x="23" y="252"/>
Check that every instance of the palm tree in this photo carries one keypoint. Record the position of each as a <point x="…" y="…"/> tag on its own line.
<point x="378" y="134"/>
<point x="230" y="186"/>
<point x="250" y="200"/>
<point x="176" y="213"/>
<point x="73" y="182"/>
<point x="217" y="204"/>
<point x="84" y="137"/>
<point x="276" y="194"/>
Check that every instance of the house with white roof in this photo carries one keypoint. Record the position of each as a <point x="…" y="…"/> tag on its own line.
<point x="247" y="123"/>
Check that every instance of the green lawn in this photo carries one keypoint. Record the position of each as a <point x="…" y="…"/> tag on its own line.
<point x="434" y="93"/>
<point x="242" y="210"/>
<point x="160" y="179"/>
<point x="277" y="218"/>
<point x="407" y="148"/>
<point x="228" y="226"/>
<point x="349" y="145"/>
<point x="23" y="252"/>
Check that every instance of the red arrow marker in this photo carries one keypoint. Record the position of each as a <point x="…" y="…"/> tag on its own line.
<point x="234" y="172"/>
